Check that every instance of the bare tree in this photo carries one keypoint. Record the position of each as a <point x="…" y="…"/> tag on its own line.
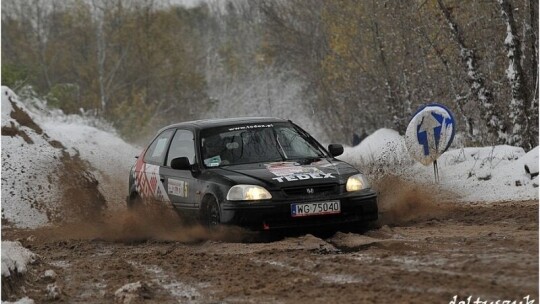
<point x="101" y="52"/>
<point x="476" y="81"/>
<point x="518" y="106"/>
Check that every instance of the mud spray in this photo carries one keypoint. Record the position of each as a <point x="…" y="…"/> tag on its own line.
<point x="402" y="201"/>
<point x="84" y="213"/>
<point x="152" y="222"/>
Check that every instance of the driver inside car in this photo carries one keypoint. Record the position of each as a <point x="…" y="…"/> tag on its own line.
<point x="212" y="149"/>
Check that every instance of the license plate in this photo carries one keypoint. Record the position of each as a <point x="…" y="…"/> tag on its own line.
<point x="317" y="208"/>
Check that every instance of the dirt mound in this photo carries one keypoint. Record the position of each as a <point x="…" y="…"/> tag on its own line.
<point x="42" y="181"/>
<point x="81" y="198"/>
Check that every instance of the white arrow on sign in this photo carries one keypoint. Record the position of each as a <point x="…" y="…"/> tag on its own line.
<point x="428" y="125"/>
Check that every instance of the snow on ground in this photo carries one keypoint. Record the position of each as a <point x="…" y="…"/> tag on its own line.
<point x="15" y="258"/>
<point x="25" y="300"/>
<point x="487" y="174"/>
<point x="28" y="163"/>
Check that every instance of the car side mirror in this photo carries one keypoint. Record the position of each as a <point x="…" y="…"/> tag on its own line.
<point x="180" y="163"/>
<point x="335" y="149"/>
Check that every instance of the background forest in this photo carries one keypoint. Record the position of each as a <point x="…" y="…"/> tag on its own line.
<point x="333" y="66"/>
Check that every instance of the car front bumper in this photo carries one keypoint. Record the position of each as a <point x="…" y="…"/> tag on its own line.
<point x="358" y="207"/>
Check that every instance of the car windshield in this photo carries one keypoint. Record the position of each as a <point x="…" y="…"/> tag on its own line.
<point x="253" y="143"/>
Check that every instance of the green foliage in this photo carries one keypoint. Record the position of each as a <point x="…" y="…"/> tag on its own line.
<point x="132" y="116"/>
<point x="64" y="96"/>
<point x="13" y="76"/>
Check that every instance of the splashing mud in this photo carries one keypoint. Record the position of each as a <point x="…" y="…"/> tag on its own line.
<point x="402" y="201"/>
<point x="153" y="222"/>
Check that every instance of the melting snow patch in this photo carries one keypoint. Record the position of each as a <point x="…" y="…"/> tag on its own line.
<point x="176" y="288"/>
<point x="15" y="258"/>
<point x="53" y="292"/>
<point x="61" y="264"/>
<point x="324" y="277"/>
<point x="25" y="300"/>
<point x="132" y="293"/>
<point x="49" y="276"/>
<point x="341" y="279"/>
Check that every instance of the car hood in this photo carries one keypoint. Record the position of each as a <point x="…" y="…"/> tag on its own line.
<point x="290" y="174"/>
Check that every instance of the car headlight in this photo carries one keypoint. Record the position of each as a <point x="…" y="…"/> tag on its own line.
<point x="248" y="193"/>
<point x="357" y="182"/>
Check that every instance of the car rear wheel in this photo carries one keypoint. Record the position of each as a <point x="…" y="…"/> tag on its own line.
<point x="134" y="201"/>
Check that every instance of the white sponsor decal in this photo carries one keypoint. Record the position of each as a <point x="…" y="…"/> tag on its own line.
<point x="290" y="168"/>
<point x="297" y="177"/>
<point x="177" y="187"/>
<point x="251" y="127"/>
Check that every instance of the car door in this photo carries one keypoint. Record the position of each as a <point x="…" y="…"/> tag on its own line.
<point x="181" y="186"/>
<point x="148" y="183"/>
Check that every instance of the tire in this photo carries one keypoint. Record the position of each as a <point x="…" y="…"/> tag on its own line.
<point x="134" y="201"/>
<point x="211" y="216"/>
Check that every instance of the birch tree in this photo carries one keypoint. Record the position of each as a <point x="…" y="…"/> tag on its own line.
<point x="477" y="84"/>
<point x="519" y="103"/>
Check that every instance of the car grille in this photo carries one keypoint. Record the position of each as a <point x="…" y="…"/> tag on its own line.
<point x="319" y="190"/>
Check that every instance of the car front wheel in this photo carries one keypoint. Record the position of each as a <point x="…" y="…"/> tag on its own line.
<point x="210" y="216"/>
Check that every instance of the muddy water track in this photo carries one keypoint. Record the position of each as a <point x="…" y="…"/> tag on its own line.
<point x="488" y="251"/>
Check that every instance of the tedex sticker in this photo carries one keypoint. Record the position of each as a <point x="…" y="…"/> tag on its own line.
<point x="298" y="177"/>
<point x="291" y="171"/>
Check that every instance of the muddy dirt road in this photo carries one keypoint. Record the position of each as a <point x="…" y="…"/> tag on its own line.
<point x="486" y="251"/>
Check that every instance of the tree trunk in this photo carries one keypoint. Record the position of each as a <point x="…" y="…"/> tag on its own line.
<point x="476" y="82"/>
<point x="391" y="99"/>
<point x="519" y="135"/>
<point x="99" y="15"/>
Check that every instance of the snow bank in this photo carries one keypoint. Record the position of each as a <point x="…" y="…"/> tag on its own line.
<point x="15" y="258"/>
<point x="384" y="148"/>
<point x="29" y="160"/>
<point x="94" y="141"/>
<point x="36" y="141"/>
<point x="109" y="156"/>
<point x="487" y="174"/>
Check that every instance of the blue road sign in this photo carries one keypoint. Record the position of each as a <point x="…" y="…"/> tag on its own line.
<point x="430" y="133"/>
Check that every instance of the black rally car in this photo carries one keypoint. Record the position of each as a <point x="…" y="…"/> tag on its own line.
<point x="261" y="173"/>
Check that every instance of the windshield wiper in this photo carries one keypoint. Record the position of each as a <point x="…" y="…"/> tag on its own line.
<point x="280" y="149"/>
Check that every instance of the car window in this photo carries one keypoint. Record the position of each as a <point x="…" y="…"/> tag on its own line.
<point x="233" y="145"/>
<point x="182" y="145"/>
<point x="294" y="145"/>
<point x="156" y="152"/>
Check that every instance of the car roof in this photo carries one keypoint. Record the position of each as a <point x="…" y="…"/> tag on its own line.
<point x="222" y="122"/>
